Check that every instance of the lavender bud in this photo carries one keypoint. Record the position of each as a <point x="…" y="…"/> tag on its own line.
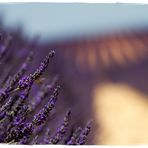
<point x="25" y="82"/>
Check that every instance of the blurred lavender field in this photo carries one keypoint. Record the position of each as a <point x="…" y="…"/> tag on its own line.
<point x="101" y="61"/>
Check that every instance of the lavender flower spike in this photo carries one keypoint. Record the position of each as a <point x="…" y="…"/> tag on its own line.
<point x="83" y="136"/>
<point x="61" y="130"/>
<point x="27" y="81"/>
<point x="74" y="136"/>
<point x="44" y="113"/>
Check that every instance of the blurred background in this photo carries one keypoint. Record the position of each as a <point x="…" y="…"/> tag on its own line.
<point x="101" y="58"/>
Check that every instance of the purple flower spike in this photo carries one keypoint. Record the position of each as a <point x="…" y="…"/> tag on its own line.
<point x="43" y="65"/>
<point x="61" y="130"/>
<point x="28" y="81"/>
<point x="44" y="113"/>
<point x="84" y="134"/>
<point x="74" y="136"/>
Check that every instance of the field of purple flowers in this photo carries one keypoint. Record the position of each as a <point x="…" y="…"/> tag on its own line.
<point x="31" y="107"/>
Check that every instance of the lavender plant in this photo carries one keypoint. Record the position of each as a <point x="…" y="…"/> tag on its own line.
<point x="25" y="117"/>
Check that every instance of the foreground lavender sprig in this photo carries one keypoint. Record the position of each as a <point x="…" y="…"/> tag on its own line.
<point x="28" y="80"/>
<point x="44" y="113"/>
<point x="17" y="111"/>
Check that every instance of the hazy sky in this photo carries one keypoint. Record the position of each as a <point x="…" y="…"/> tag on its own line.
<point x="63" y="20"/>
